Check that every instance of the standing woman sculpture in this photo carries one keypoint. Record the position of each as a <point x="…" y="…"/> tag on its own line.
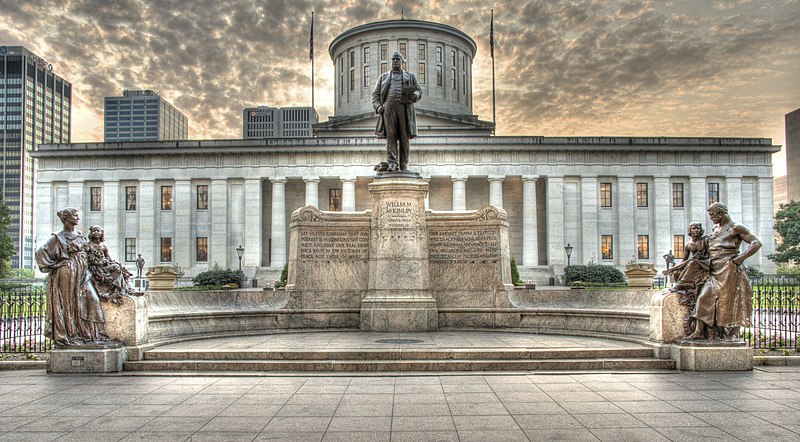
<point x="74" y="316"/>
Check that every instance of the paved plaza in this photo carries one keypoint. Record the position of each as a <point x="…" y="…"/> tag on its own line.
<point x="760" y="405"/>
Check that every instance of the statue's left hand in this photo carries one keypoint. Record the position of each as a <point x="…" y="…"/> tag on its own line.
<point x="738" y="260"/>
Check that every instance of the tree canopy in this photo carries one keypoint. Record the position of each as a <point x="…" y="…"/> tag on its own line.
<point x="787" y="224"/>
<point x="7" y="249"/>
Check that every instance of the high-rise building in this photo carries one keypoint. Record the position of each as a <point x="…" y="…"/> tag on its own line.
<point x="142" y="115"/>
<point x="274" y="122"/>
<point x="35" y="107"/>
<point x="793" y="155"/>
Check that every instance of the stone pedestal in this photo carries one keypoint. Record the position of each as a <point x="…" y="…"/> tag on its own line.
<point x="87" y="360"/>
<point x="127" y="322"/>
<point x="712" y="356"/>
<point x="398" y="291"/>
<point x="666" y="317"/>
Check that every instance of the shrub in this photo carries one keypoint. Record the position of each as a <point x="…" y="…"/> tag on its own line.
<point x="754" y="273"/>
<point x="599" y="274"/>
<point x="515" y="273"/>
<point x="284" y="277"/>
<point x="218" y="276"/>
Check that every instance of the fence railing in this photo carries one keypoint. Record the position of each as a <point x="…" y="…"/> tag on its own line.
<point x="776" y="314"/>
<point x="22" y="320"/>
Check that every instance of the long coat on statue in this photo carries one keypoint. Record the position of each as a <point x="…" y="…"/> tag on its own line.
<point x="379" y="98"/>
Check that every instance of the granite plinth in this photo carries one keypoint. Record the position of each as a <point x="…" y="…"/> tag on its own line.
<point x="667" y="317"/>
<point x="126" y="322"/>
<point x="107" y="359"/>
<point x="712" y="356"/>
<point x="399" y="311"/>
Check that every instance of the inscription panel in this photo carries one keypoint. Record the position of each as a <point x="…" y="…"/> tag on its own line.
<point x="334" y="244"/>
<point x="463" y="244"/>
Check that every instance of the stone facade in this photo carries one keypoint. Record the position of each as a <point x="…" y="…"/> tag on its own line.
<point x="555" y="191"/>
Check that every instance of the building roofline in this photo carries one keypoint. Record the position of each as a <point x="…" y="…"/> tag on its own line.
<point x="394" y="24"/>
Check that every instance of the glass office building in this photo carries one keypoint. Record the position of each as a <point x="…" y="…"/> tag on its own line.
<point x="142" y="115"/>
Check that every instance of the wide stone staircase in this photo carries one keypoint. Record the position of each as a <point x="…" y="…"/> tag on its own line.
<point x="400" y="355"/>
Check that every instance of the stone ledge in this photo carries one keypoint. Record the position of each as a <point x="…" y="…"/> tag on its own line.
<point x="22" y="365"/>
<point x="776" y="360"/>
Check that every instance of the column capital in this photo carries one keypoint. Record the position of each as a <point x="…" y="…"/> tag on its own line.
<point x="588" y="177"/>
<point x="458" y="178"/>
<point x="347" y="179"/>
<point x="528" y="178"/>
<point x="313" y="179"/>
<point x="112" y="180"/>
<point x="278" y="180"/>
<point x="182" y="181"/>
<point x="625" y="177"/>
<point x="496" y="178"/>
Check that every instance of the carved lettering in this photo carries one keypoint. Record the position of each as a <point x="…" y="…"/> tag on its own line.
<point x="334" y="244"/>
<point x="463" y="244"/>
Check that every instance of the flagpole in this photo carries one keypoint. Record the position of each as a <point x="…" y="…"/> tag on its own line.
<point x="311" y="54"/>
<point x="494" y="98"/>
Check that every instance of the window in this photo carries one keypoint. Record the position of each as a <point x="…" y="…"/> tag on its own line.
<point x="96" y="203"/>
<point x="384" y="68"/>
<point x="166" y="249"/>
<point x="438" y="54"/>
<point x="352" y="79"/>
<point x="335" y="200"/>
<point x="605" y="194"/>
<point x="352" y="58"/>
<point x="641" y="194"/>
<point x="366" y="55"/>
<point x="438" y="75"/>
<point x="366" y="76"/>
<point x="677" y="195"/>
<point x="453" y="78"/>
<point x="202" y="249"/>
<point x="166" y="198"/>
<point x="677" y="246"/>
<point x="384" y="50"/>
<point x="422" y="73"/>
<point x="403" y="49"/>
<point x="202" y="197"/>
<point x="452" y="58"/>
<point x="643" y="246"/>
<point x="130" y="249"/>
<point x="421" y="55"/>
<point x="607" y="246"/>
<point x="713" y="193"/>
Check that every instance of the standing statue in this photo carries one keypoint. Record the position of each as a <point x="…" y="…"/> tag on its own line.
<point x="74" y="316"/>
<point x="111" y="279"/>
<point x="139" y="266"/>
<point x="725" y="302"/>
<point x="669" y="258"/>
<point x="393" y="100"/>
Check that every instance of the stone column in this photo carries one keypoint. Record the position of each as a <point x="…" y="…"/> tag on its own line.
<point x="111" y="219"/>
<point x="312" y="192"/>
<point x="766" y="224"/>
<point x="278" y="222"/>
<point x="183" y="244"/>
<point x="398" y="297"/>
<point x="252" y="223"/>
<point x="626" y="231"/>
<point x="146" y="243"/>
<point x="662" y="209"/>
<point x="496" y="191"/>
<point x="555" y="222"/>
<point x="348" y="194"/>
<point x="218" y="206"/>
<point x="459" y="193"/>
<point x="698" y="200"/>
<point x="589" y="207"/>
<point x="733" y="197"/>
<point x="76" y="200"/>
<point x="530" y="233"/>
<point x="45" y="214"/>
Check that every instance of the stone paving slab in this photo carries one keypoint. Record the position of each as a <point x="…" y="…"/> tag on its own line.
<point x="760" y="405"/>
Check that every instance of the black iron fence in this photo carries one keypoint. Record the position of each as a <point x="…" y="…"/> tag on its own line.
<point x="776" y="314"/>
<point x="22" y="320"/>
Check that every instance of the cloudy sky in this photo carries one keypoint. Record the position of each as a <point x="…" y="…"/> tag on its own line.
<point x="578" y="67"/>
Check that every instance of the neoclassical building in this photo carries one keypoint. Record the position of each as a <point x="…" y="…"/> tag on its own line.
<point x="612" y="199"/>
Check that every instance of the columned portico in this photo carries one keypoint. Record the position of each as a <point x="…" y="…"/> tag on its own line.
<point x="278" y="230"/>
<point x="459" y="193"/>
<point x="530" y="233"/>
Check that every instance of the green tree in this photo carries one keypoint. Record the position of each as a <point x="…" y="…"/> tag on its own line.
<point x="7" y="249"/>
<point x="787" y="224"/>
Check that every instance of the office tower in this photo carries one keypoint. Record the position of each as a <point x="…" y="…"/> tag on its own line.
<point x="274" y="122"/>
<point x="35" y="107"/>
<point x="142" y="115"/>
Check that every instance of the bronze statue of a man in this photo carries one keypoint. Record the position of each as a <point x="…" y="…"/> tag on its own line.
<point x="726" y="300"/>
<point x="393" y="100"/>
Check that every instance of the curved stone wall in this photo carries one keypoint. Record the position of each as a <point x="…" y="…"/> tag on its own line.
<point x="439" y="55"/>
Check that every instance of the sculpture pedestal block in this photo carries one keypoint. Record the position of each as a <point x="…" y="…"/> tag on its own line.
<point x="712" y="356"/>
<point x="402" y="313"/>
<point x="86" y="360"/>
<point x="666" y="317"/>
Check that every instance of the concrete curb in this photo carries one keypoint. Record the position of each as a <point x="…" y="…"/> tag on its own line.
<point x="776" y="360"/>
<point x="22" y="365"/>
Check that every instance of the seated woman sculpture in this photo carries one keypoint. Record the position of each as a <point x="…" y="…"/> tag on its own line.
<point x="693" y="271"/>
<point x="111" y="279"/>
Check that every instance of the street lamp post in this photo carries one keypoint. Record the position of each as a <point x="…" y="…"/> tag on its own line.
<point x="568" y="249"/>
<point x="240" y="252"/>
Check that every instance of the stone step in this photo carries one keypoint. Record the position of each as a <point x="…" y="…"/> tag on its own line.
<point x="396" y="354"/>
<point x="419" y="365"/>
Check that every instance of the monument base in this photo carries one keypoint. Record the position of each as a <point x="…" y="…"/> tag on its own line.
<point x="712" y="356"/>
<point x="87" y="360"/>
<point x="399" y="314"/>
